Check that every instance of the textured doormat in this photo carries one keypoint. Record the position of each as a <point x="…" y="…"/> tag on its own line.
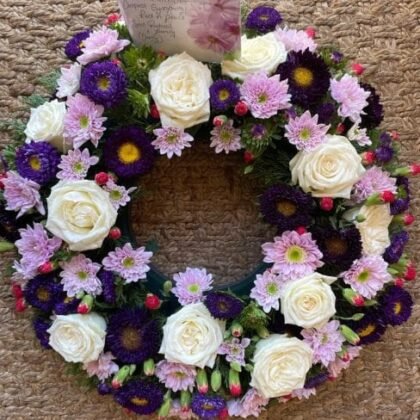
<point x="205" y="216"/>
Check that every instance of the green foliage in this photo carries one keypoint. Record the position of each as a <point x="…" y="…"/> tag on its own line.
<point x="16" y="128"/>
<point x="49" y="81"/>
<point x="76" y="369"/>
<point x="337" y="68"/>
<point x="257" y="145"/>
<point x="130" y="295"/>
<point x="35" y="100"/>
<point x="122" y="31"/>
<point x="253" y="318"/>
<point x="140" y="102"/>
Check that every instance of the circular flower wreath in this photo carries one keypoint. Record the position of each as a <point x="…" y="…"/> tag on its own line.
<point x="333" y="276"/>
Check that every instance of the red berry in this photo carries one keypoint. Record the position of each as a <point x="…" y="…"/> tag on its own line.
<point x="411" y="273"/>
<point x="20" y="305"/>
<point x="399" y="282"/>
<point x="301" y="230"/>
<point x="224" y="414"/>
<point x="388" y="197"/>
<point x="112" y="18"/>
<point x="83" y="309"/>
<point x="326" y="204"/>
<point x="408" y="219"/>
<point x="415" y="169"/>
<point x="101" y="178"/>
<point x="154" y="112"/>
<point x="248" y="157"/>
<point x="368" y="158"/>
<point x="359" y="301"/>
<point x="341" y="128"/>
<point x="358" y="69"/>
<point x="115" y="233"/>
<point x="241" y="109"/>
<point x="46" y="268"/>
<point x="152" y="302"/>
<point x="17" y="291"/>
<point x="3" y="175"/>
<point x="311" y="32"/>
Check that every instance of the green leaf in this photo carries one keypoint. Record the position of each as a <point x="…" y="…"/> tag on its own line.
<point x="49" y="81"/>
<point x="140" y="103"/>
<point x="35" y="100"/>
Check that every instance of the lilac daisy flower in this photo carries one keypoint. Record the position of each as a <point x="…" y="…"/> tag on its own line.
<point x="264" y="95"/>
<point x="367" y="275"/>
<point x="83" y="121"/>
<point x="293" y="256"/>
<point x="103" y="368"/>
<point x="191" y="285"/>
<point x="21" y="194"/>
<point x="234" y="350"/>
<point x="325" y="342"/>
<point x="305" y="133"/>
<point x="267" y="291"/>
<point x="351" y="97"/>
<point x="119" y="195"/>
<point x="176" y="376"/>
<point x="131" y="264"/>
<point x="294" y="40"/>
<point x="359" y="135"/>
<point x="69" y="82"/>
<point x="251" y="405"/>
<point x="76" y="164"/>
<point x="341" y="363"/>
<point x="226" y="138"/>
<point x="80" y="275"/>
<point x="171" y="141"/>
<point x="303" y="393"/>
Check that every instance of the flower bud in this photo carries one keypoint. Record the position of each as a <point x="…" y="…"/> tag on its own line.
<point x="395" y="135"/>
<point x="17" y="291"/>
<point x="165" y="408"/>
<point x="326" y="204"/>
<point x="354" y="298"/>
<point x="224" y="414"/>
<point x="235" y="386"/>
<point x="399" y="282"/>
<point x="47" y="267"/>
<point x="358" y="69"/>
<point x="122" y="375"/>
<point x="21" y="305"/>
<point x="85" y="306"/>
<point x="263" y="332"/>
<point x="311" y="32"/>
<point x="349" y="335"/>
<point x="341" y="128"/>
<point x="101" y="178"/>
<point x="149" y="367"/>
<point x="202" y="382"/>
<point x="220" y="120"/>
<point x="368" y="158"/>
<point x="6" y="246"/>
<point x="301" y="230"/>
<point x="167" y="287"/>
<point x="248" y="157"/>
<point x="154" y="112"/>
<point x="410" y="273"/>
<point x="152" y="302"/>
<point x="216" y="380"/>
<point x="237" y="329"/>
<point x="112" y="18"/>
<point x="241" y="109"/>
<point x="236" y="366"/>
<point x="380" y="198"/>
<point x="185" y="400"/>
<point x="387" y="197"/>
<point x="3" y="175"/>
<point x="115" y="233"/>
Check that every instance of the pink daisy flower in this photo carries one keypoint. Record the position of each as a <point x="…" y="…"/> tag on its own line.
<point x="294" y="40"/>
<point x="264" y="95"/>
<point x="119" y="195"/>
<point x="226" y="138"/>
<point x="367" y="276"/>
<point x="341" y="363"/>
<point x="251" y="405"/>
<point x="191" y="285"/>
<point x="171" y="141"/>
<point x="305" y="133"/>
<point x="293" y="256"/>
<point x="176" y="376"/>
<point x="69" y="82"/>
<point x="234" y="350"/>
<point x="303" y="393"/>
<point x="267" y="291"/>
<point x="83" y="121"/>
<point x="131" y="264"/>
<point x="76" y="164"/>
<point x="359" y="135"/>
<point x="103" y="368"/>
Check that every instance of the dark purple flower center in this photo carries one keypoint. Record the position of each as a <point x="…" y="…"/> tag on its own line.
<point x="286" y="207"/>
<point x="130" y="338"/>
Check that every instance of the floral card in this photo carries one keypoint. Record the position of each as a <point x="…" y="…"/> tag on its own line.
<point x="206" y="29"/>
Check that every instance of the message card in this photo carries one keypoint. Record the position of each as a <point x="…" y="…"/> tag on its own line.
<point x="206" y="29"/>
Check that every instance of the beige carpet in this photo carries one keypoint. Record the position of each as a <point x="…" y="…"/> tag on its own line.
<point x="204" y="216"/>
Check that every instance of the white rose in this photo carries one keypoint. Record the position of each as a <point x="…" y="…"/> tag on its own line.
<point x="46" y="123"/>
<point x="263" y="53"/>
<point x="281" y="364"/>
<point x="180" y="88"/>
<point x="69" y="82"/>
<point x="78" y="338"/>
<point x="308" y="302"/>
<point x="374" y="230"/>
<point x="80" y="213"/>
<point x="192" y="336"/>
<point x="330" y="170"/>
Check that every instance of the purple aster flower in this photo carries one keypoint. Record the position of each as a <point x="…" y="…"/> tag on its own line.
<point x="108" y="286"/>
<point x="359" y="135"/>
<point x="119" y="195"/>
<point x="374" y="180"/>
<point x="337" y="57"/>
<point x="74" y="47"/>
<point x="76" y="164"/>
<point x="293" y="256"/>
<point x="305" y="133"/>
<point x="105" y="83"/>
<point x="224" y="94"/>
<point x="103" y="368"/>
<point x="251" y="405"/>
<point x="264" y="95"/>
<point x="395" y="251"/>
<point x="191" y="285"/>
<point x="263" y="19"/>
<point x="385" y="139"/>
<point x="140" y="397"/>
<point x="267" y="290"/>
<point x="258" y="131"/>
<point x="325" y="342"/>
<point x="42" y="292"/>
<point x="297" y="41"/>
<point x="67" y="306"/>
<point x="9" y="225"/>
<point x="373" y="113"/>
<point x="131" y="264"/>
<point x="207" y="407"/>
<point x="80" y="274"/>
<point x="41" y="326"/>
<point x="370" y="328"/>
<point x="226" y="138"/>
<point x="308" y="77"/>
<point x="234" y="350"/>
<point x="129" y="152"/>
<point x="176" y="376"/>
<point x="367" y="275"/>
<point x="384" y="154"/>
<point x="132" y="336"/>
<point x="37" y="161"/>
<point x="104" y="389"/>
<point x="22" y="194"/>
<point x="325" y="112"/>
<point x="402" y="202"/>
<point x="318" y="380"/>
<point x="171" y="141"/>
<point x="396" y="306"/>
<point x="223" y="305"/>
<point x="83" y="121"/>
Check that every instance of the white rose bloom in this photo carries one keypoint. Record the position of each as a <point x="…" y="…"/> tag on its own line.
<point x="46" y="123"/>
<point x="308" y="302"/>
<point x="330" y="170"/>
<point x="262" y="53"/>
<point x="375" y="228"/>
<point x="80" y="213"/>
<point x="192" y="336"/>
<point x="180" y="87"/>
<point x="69" y="82"/>
<point x="78" y="338"/>
<point x="281" y="364"/>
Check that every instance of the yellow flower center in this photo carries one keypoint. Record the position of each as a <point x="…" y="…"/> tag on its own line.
<point x="303" y="77"/>
<point x="397" y="308"/>
<point x="84" y="122"/>
<point x="224" y="94"/>
<point x="364" y="276"/>
<point x="286" y="208"/>
<point x="35" y="163"/>
<point x="43" y="294"/>
<point x="103" y="83"/>
<point x="295" y="255"/>
<point x="130" y="339"/>
<point x="141" y="402"/>
<point x="368" y="330"/>
<point x="129" y="153"/>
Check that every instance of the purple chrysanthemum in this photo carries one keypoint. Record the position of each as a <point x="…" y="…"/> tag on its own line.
<point x="264" y="95"/>
<point x="171" y="141"/>
<point x="105" y="83"/>
<point x="129" y="152"/>
<point x="297" y="41"/>
<point x="74" y="47"/>
<point x="396" y="306"/>
<point x="234" y="350"/>
<point x="41" y="326"/>
<point x="305" y="133"/>
<point x="67" y="306"/>
<point x="263" y="19"/>
<point x="80" y="274"/>
<point x="373" y="113"/>
<point x="370" y="328"/>
<point x="207" y="407"/>
<point x="395" y="251"/>
<point x="119" y="195"/>
<point x="37" y="161"/>
<point x="308" y="77"/>
<point x="83" y="121"/>
<point x="384" y="154"/>
<point x="103" y="368"/>
<point x="131" y="264"/>
<point x="267" y="290"/>
<point x="293" y="256"/>
<point x="316" y="381"/>
<point x="191" y="285"/>
<point x="176" y="376"/>
<point x="402" y="202"/>
<point x="325" y="342"/>
<point x="367" y="275"/>
<point x="223" y="305"/>
<point x="325" y="112"/>
<point x="108" y="286"/>
<point x="42" y="292"/>
<point x="224" y="94"/>
<point x="132" y="336"/>
<point x="76" y="164"/>
<point x="140" y="397"/>
<point x="226" y="138"/>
